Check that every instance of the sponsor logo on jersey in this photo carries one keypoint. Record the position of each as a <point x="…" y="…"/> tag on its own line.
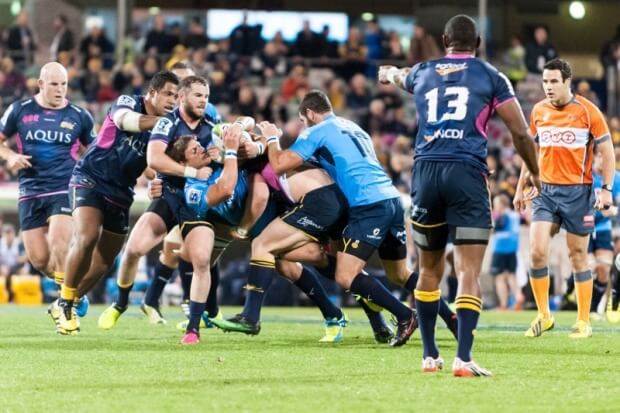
<point x="445" y="134"/>
<point x="49" y="136"/>
<point x="193" y="196"/>
<point x="557" y="135"/>
<point x="162" y="127"/>
<point x="67" y="125"/>
<point x="125" y="100"/>
<point x="444" y="69"/>
<point x="28" y="119"/>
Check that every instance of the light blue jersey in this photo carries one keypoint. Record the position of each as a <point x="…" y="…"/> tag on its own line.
<point x="601" y="222"/>
<point x="346" y="152"/>
<point x="231" y="210"/>
<point x="507" y="229"/>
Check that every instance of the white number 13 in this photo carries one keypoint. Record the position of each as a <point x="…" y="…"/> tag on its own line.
<point x="459" y="103"/>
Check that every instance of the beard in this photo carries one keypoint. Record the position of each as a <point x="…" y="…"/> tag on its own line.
<point x="192" y="111"/>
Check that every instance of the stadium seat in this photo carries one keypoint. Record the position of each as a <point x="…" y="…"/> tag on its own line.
<point x="26" y="289"/>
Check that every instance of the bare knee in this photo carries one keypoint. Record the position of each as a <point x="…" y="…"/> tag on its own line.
<point x="538" y="257"/>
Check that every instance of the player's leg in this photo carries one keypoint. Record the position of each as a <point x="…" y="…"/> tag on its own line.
<point x="366" y="231"/>
<point x="540" y="238"/>
<point x="256" y="203"/>
<point x="604" y="260"/>
<point x="59" y="232"/>
<point x="613" y="309"/>
<point x="199" y="239"/>
<point x="37" y="250"/>
<point x="88" y="222"/>
<point x="577" y="250"/>
<point x="307" y="280"/>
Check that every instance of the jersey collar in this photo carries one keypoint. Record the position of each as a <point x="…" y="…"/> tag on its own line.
<point x="460" y="55"/>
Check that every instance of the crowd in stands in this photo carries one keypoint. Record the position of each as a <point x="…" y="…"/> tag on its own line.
<point x="266" y="78"/>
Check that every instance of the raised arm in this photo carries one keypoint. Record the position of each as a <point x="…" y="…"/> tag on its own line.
<point x="224" y="187"/>
<point x="281" y="161"/>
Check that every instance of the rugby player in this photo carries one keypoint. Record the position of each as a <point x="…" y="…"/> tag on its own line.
<point x="51" y="133"/>
<point x="455" y="97"/>
<point x="101" y="191"/>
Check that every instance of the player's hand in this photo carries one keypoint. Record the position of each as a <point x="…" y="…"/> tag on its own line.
<point x="248" y="123"/>
<point x="248" y="150"/>
<point x="269" y="129"/>
<point x="214" y="153"/>
<point x="535" y="182"/>
<point x="156" y="188"/>
<point x="232" y="136"/>
<point x="17" y="161"/>
<point x="603" y="200"/>
<point x="383" y="71"/>
<point x="204" y="173"/>
<point x="519" y="202"/>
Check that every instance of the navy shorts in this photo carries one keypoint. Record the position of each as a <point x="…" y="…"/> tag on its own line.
<point x="83" y="192"/>
<point x="166" y="206"/>
<point x="319" y="213"/>
<point x="600" y="240"/>
<point x="379" y="226"/>
<point x="35" y="212"/>
<point x="571" y="206"/>
<point x="503" y="263"/>
<point x="449" y="198"/>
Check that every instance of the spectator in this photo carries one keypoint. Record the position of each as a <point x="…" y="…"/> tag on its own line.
<point x="297" y="79"/>
<point x="607" y="58"/>
<point x="329" y="48"/>
<point x="354" y="53"/>
<point x="375" y="122"/>
<point x="584" y="89"/>
<point x="199" y="62"/>
<point x="149" y="68"/>
<point x="89" y="81"/>
<point x="614" y="127"/>
<point x="219" y="91"/>
<point x="97" y="44"/>
<point x="179" y="54"/>
<point x="539" y="52"/>
<point x="63" y="39"/>
<point x="11" y="252"/>
<point x="377" y="44"/>
<point x="20" y="42"/>
<point x="246" y="104"/>
<point x="273" y="63"/>
<point x="245" y="39"/>
<point x="307" y="43"/>
<point x="158" y="41"/>
<point x="513" y="61"/>
<point x="15" y="83"/>
<point x="196" y="38"/>
<point x="395" y="47"/>
<point x="282" y="47"/>
<point x="106" y="92"/>
<point x="358" y="99"/>
<point x="422" y="46"/>
<point x="336" y="93"/>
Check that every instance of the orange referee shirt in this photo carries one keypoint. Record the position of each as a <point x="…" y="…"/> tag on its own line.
<point x="566" y="139"/>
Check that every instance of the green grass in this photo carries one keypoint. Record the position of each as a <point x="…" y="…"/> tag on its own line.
<point x="141" y="368"/>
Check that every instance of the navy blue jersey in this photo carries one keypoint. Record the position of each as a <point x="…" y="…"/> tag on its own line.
<point x="52" y="137"/>
<point x="171" y="127"/>
<point x="455" y="96"/>
<point x="118" y="158"/>
<point x="347" y="154"/>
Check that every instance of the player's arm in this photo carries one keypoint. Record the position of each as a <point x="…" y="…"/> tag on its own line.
<point x="394" y="75"/>
<point x="126" y="118"/>
<point x="224" y="187"/>
<point x="158" y="160"/>
<point x="604" y="145"/>
<point x="281" y="161"/>
<point x="14" y="161"/>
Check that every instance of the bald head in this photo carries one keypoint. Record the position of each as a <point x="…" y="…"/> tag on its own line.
<point x="460" y="34"/>
<point x="53" y="85"/>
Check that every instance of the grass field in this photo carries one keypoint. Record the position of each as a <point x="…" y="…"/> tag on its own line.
<point x="138" y="367"/>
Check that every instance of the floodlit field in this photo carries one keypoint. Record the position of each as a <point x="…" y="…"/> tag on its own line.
<point x="140" y="367"/>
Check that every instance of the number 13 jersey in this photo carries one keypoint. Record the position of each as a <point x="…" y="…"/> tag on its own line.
<point x="455" y="97"/>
